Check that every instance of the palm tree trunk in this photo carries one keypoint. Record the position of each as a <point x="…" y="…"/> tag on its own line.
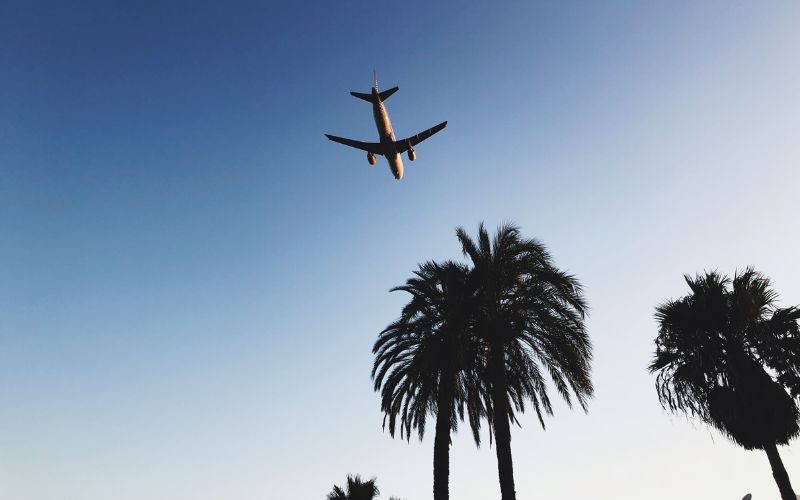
<point x="441" y="443"/>
<point x="502" y="427"/>
<point x="779" y="473"/>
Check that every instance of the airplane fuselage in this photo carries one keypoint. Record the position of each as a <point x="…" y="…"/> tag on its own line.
<point x="386" y="135"/>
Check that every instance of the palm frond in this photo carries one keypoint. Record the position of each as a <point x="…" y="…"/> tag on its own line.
<point x="728" y="355"/>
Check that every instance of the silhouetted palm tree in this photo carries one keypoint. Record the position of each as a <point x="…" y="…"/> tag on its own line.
<point x="530" y="321"/>
<point x="727" y="355"/>
<point x="424" y="362"/>
<point x="356" y="490"/>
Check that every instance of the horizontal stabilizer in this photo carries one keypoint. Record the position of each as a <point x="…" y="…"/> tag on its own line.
<point x="366" y="97"/>
<point x="387" y="93"/>
<point x="406" y="144"/>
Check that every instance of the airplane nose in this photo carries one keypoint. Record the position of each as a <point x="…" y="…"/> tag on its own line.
<point x="397" y="167"/>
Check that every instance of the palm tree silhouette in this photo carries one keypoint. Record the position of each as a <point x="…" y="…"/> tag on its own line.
<point x="530" y="319"/>
<point x="356" y="490"/>
<point x="727" y="355"/>
<point x="424" y="362"/>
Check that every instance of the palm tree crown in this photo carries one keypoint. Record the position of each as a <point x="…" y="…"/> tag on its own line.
<point x="356" y="490"/>
<point x="721" y="338"/>
<point x="430" y="338"/>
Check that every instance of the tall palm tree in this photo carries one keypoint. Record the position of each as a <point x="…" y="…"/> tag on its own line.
<point x="530" y="320"/>
<point x="423" y="362"/>
<point x="727" y="354"/>
<point x="356" y="490"/>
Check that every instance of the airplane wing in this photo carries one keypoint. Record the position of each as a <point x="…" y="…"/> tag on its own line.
<point x="406" y="144"/>
<point x="372" y="147"/>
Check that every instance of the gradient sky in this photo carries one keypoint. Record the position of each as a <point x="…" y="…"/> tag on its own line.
<point x="192" y="277"/>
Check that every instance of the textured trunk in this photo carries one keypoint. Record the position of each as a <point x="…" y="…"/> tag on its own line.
<point x="779" y="473"/>
<point x="502" y="427"/>
<point x="441" y="443"/>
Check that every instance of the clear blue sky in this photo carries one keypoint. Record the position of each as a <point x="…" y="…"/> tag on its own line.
<point x="191" y="276"/>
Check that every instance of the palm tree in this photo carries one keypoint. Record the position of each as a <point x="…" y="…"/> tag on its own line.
<point x="423" y="362"/>
<point x="356" y="490"/>
<point x="530" y="320"/>
<point x="727" y="355"/>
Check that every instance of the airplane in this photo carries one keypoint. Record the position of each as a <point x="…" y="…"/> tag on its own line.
<point x="388" y="146"/>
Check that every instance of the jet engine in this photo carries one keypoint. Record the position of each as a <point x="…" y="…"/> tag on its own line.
<point x="412" y="155"/>
<point x="371" y="159"/>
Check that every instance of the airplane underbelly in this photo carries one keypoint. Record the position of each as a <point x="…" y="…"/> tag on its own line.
<point x="387" y="129"/>
<point x="383" y="123"/>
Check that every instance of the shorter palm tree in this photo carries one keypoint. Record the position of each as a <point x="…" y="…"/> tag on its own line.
<point x="727" y="355"/>
<point x="424" y="362"/>
<point x="356" y="490"/>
